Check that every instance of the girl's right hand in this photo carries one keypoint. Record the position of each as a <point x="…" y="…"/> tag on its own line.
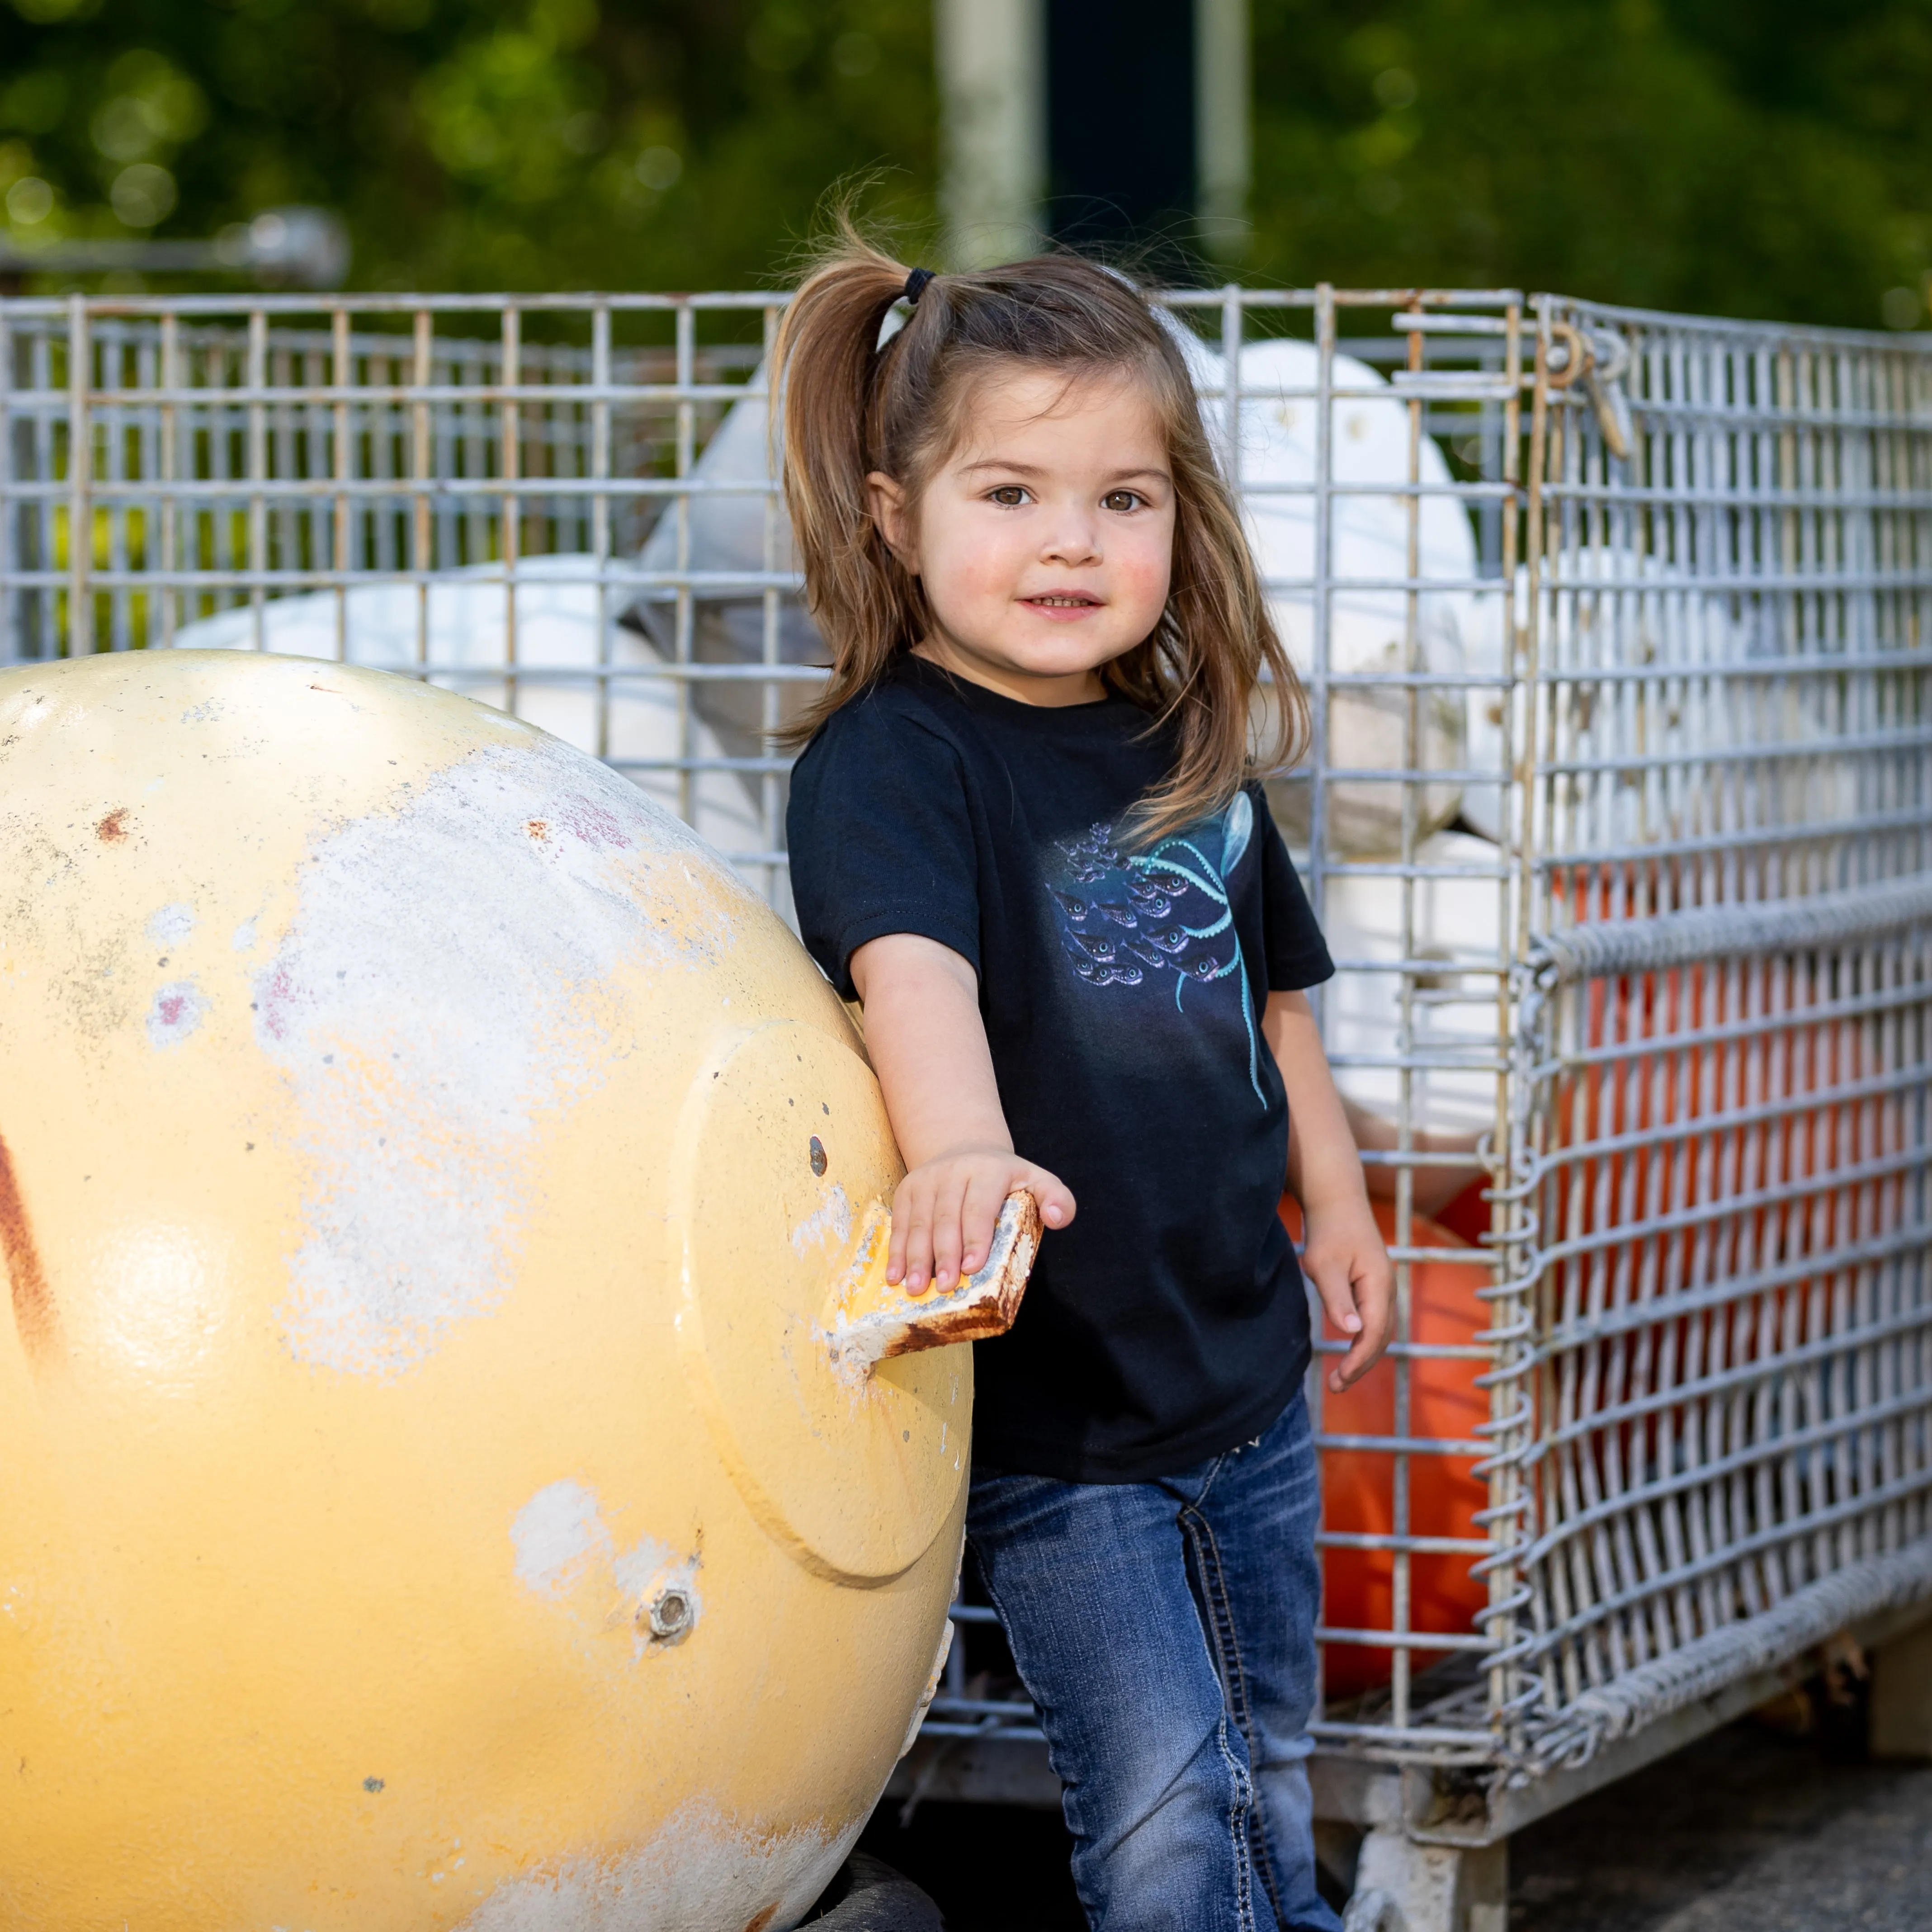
<point x="946" y="1208"/>
<point x="928" y="1045"/>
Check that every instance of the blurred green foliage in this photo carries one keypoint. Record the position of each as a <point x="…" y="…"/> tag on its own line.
<point x="1752" y="158"/>
<point x="1740" y="157"/>
<point x="470" y="144"/>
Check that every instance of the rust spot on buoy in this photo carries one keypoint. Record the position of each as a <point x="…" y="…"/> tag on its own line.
<point x="113" y="828"/>
<point x="35" y="1318"/>
<point x="763" y="1919"/>
<point x="586" y="820"/>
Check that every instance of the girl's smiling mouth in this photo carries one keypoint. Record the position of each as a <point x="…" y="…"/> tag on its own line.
<point x="1061" y="600"/>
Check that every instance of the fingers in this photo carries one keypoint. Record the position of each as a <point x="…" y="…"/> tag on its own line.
<point x="1356" y="1364"/>
<point x="909" y="1260"/>
<point x="1371" y="1294"/>
<point x="928" y="1241"/>
<point x="1050" y="1195"/>
<point x="948" y="1205"/>
<point x="945" y="1214"/>
<point x="1334" y="1283"/>
<point x="986" y="1194"/>
<point x="895" y="1247"/>
<point x="979" y="1216"/>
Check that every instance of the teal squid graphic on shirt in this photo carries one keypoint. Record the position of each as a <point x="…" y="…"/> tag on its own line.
<point x="1126" y="918"/>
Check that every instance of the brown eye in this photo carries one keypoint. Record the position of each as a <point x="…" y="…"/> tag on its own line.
<point x="1010" y="495"/>
<point x="1120" y="499"/>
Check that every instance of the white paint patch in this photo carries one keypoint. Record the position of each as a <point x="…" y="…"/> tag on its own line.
<point x="643" y="1566"/>
<point x="831" y="1221"/>
<point x="171" y="924"/>
<point x="703" y="1872"/>
<point x="557" y="1535"/>
<point x="561" y="1541"/>
<point x="243" y="938"/>
<point x="436" y="995"/>
<point x="179" y="1008"/>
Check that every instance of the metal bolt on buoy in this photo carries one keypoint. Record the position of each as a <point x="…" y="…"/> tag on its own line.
<point x="669" y="1616"/>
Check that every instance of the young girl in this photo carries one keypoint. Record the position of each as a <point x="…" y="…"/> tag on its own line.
<point x="1025" y="833"/>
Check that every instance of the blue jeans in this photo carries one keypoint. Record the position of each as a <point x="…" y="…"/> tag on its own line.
<point x="1165" y="1630"/>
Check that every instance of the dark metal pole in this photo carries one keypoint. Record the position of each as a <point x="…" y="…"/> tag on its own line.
<point x="1120" y="129"/>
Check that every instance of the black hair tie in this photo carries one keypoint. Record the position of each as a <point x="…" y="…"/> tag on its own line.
<point x="915" y="285"/>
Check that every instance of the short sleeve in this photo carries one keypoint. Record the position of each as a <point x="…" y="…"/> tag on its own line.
<point x="880" y="835"/>
<point x="1298" y="956"/>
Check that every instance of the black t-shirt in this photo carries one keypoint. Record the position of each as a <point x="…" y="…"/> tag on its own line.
<point x="1122" y="991"/>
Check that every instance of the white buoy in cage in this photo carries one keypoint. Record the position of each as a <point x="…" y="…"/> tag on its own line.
<point x="1652" y="685"/>
<point x="462" y="636"/>
<point x="741" y="533"/>
<point x="1369" y="545"/>
<point x="1454" y="941"/>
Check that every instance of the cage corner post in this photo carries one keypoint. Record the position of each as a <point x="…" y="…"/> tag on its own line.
<point x="1404" y="1883"/>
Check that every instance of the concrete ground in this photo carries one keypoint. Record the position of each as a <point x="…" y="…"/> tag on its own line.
<point x="1749" y="1831"/>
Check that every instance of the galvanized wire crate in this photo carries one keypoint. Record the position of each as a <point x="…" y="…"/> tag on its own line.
<point x="1615" y="630"/>
<point x="1713" y="1396"/>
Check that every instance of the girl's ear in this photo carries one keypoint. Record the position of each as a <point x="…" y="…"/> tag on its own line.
<point x="887" y="498"/>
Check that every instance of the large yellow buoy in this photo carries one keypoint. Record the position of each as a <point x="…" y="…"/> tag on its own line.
<point x="427" y="1496"/>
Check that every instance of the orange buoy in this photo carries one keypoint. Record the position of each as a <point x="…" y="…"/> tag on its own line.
<point x="1674" y="1049"/>
<point x="1358" y="1485"/>
<point x="1726" y="1086"/>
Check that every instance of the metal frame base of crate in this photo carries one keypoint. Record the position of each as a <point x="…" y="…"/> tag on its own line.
<point x="1434" y="1835"/>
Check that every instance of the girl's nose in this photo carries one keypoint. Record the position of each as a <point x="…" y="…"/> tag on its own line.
<point x="1073" y="540"/>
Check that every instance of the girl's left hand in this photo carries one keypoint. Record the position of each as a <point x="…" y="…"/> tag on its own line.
<point x="1344" y="1256"/>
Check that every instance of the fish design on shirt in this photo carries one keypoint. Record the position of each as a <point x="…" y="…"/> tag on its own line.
<point x="1164" y="910"/>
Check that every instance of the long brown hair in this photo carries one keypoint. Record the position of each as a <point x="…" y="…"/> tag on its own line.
<point x="849" y="406"/>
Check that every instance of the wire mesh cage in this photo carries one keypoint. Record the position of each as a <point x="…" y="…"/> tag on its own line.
<point x="1613" y="629"/>
<point x="1712" y="1395"/>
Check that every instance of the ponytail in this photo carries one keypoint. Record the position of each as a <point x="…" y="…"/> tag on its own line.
<point x="867" y="604"/>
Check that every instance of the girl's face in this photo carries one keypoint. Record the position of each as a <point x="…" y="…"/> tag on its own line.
<point x="1045" y="540"/>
